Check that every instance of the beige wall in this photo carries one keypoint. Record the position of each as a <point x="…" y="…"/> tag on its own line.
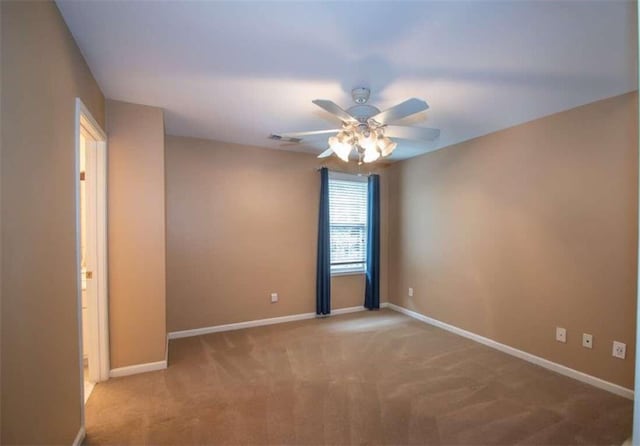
<point x="241" y="224"/>
<point x="42" y="73"/>
<point x="0" y="224"/>
<point x="514" y="233"/>
<point x="136" y="207"/>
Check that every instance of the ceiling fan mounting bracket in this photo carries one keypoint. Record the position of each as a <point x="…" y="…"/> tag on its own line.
<point x="360" y="95"/>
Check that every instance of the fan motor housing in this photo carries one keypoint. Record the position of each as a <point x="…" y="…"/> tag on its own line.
<point x="363" y="112"/>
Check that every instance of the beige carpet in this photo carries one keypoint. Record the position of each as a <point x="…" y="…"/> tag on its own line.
<point x="364" y="378"/>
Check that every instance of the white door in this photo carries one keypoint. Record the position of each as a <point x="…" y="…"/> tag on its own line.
<point x="89" y="249"/>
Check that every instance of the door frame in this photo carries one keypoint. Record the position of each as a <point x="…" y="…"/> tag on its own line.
<point x="99" y="347"/>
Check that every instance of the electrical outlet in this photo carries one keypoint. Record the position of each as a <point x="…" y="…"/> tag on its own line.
<point x="274" y="298"/>
<point x="561" y="334"/>
<point x="410" y="292"/>
<point x="619" y="350"/>
<point x="587" y="340"/>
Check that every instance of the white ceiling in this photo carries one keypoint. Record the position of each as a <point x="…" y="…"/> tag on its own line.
<point x="238" y="71"/>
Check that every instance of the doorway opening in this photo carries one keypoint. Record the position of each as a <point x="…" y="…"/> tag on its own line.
<point x="91" y="250"/>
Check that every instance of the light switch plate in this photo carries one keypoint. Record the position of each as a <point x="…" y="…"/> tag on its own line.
<point x="410" y="292"/>
<point x="561" y="334"/>
<point x="274" y="298"/>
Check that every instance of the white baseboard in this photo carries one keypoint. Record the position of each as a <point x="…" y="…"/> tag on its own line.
<point x="166" y="351"/>
<point x="239" y="325"/>
<point x="347" y="310"/>
<point x="257" y="323"/>
<point x="138" y="368"/>
<point x="558" y="368"/>
<point x="80" y="437"/>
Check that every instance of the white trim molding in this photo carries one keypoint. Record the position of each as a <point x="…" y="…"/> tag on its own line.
<point x="257" y="323"/>
<point x="98" y="339"/>
<point x="346" y="176"/>
<point x="98" y="305"/>
<point x="138" y="368"/>
<point x="166" y="351"/>
<point x="80" y="437"/>
<point x="553" y="366"/>
<point x="239" y="325"/>
<point x="347" y="310"/>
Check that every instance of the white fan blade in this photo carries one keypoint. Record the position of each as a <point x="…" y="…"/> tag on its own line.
<point x="326" y="153"/>
<point x="334" y="109"/>
<point x="417" y="133"/>
<point x="402" y="110"/>
<point x="312" y="133"/>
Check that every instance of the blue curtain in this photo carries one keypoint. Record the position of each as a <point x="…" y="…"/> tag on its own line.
<point x="372" y="288"/>
<point x="323" y="267"/>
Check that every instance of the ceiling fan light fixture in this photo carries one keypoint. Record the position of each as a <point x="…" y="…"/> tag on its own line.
<point x="341" y="149"/>
<point x="343" y="137"/>
<point x="368" y="142"/>
<point x="371" y="155"/>
<point x="386" y="146"/>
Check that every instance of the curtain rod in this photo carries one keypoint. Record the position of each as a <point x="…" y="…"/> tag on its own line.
<point x="345" y="172"/>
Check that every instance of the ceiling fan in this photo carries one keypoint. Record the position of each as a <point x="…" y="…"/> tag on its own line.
<point x="365" y="129"/>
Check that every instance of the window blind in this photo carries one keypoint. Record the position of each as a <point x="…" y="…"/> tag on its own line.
<point x="348" y="224"/>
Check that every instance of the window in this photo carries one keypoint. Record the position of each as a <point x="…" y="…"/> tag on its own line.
<point x="348" y="221"/>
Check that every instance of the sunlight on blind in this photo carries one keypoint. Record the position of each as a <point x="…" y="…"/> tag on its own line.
<point x="348" y="218"/>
